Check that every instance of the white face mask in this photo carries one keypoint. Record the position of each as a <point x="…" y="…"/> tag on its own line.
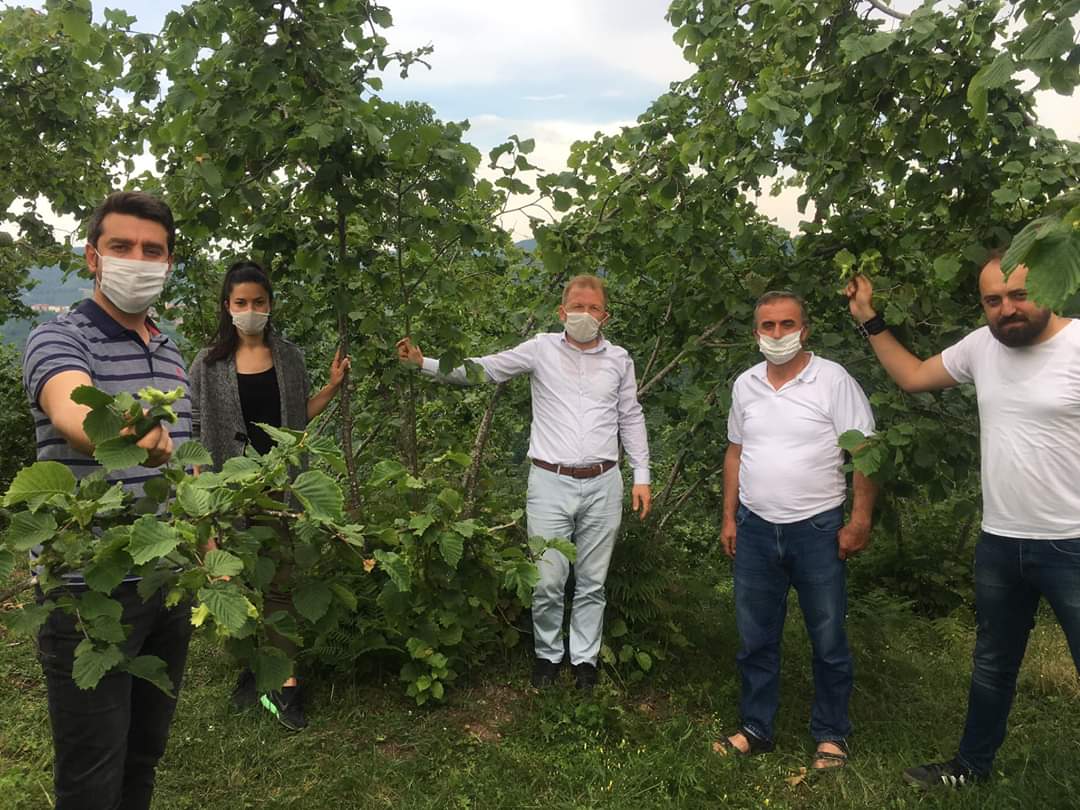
<point x="250" y="322"/>
<point x="780" y="350"/>
<point x="582" y="327"/>
<point x="130" y="284"/>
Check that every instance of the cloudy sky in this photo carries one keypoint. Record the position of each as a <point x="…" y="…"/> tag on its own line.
<point x="556" y="71"/>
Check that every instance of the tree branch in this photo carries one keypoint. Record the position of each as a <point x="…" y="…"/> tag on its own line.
<point x="690" y="490"/>
<point x="884" y="9"/>
<point x="7" y="595"/>
<point x="695" y="343"/>
<point x="656" y="346"/>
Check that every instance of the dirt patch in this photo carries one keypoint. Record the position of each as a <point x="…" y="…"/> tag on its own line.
<point x="652" y="706"/>
<point x="396" y="751"/>
<point x="482" y="712"/>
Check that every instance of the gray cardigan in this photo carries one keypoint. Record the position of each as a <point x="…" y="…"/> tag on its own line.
<point x="216" y="415"/>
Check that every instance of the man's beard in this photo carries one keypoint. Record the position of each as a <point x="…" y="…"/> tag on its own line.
<point x="1025" y="333"/>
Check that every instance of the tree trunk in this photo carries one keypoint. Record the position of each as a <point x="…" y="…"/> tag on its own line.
<point x="345" y="394"/>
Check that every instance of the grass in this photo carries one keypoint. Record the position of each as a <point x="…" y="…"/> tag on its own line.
<point x="496" y="744"/>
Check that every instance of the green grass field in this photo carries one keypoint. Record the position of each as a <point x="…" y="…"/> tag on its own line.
<point x="497" y="744"/>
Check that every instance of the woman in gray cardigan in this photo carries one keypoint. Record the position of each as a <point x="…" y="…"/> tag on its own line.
<point x="249" y="375"/>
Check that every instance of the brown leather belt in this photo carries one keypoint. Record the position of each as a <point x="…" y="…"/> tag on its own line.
<point x="589" y="471"/>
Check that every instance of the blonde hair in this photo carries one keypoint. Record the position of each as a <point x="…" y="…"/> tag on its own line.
<point x="588" y="281"/>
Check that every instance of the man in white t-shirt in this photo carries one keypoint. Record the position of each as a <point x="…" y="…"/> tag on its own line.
<point x="784" y="494"/>
<point x="1025" y="364"/>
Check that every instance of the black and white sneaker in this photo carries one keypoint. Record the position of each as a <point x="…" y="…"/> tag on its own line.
<point x="949" y="774"/>
<point x="285" y="704"/>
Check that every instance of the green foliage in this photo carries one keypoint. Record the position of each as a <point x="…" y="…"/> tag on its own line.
<point x="270" y="139"/>
<point x="439" y="580"/>
<point x="16" y="424"/>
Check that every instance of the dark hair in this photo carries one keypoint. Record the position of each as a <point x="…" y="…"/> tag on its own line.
<point x="780" y="295"/>
<point x="134" y="203"/>
<point x="226" y="340"/>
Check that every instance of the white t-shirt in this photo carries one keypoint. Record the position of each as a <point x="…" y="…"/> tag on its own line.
<point x="1029" y="421"/>
<point x="790" y="467"/>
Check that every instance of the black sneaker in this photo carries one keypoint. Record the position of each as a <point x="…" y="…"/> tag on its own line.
<point x="286" y="706"/>
<point x="585" y="676"/>
<point x="244" y="695"/>
<point x="544" y="672"/>
<point x="941" y="774"/>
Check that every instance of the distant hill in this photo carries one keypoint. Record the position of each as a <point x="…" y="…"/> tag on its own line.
<point x="52" y="290"/>
<point x="52" y="295"/>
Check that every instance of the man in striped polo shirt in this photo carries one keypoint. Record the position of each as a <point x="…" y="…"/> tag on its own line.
<point x="108" y="740"/>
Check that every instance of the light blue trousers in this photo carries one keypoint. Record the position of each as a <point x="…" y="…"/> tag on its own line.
<point x="586" y="511"/>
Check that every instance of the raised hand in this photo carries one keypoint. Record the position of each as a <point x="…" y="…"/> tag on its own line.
<point x="860" y="293"/>
<point x="408" y="353"/>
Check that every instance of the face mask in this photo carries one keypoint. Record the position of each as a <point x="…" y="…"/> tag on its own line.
<point x="582" y="327"/>
<point x="130" y="284"/>
<point x="779" y="350"/>
<point x="250" y="322"/>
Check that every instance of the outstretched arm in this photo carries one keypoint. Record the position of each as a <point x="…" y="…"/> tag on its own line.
<point x="909" y="372"/>
<point x="338" y="366"/>
<point x="497" y="367"/>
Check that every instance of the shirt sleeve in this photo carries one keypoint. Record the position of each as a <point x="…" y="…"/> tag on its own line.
<point x="195" y="383"/>
<point x="958" y="359"/>
<point x="305" y="377"/>
<point x="498" y="367"/>
<point x="851" y="408"/>
<point x="735" y="417"/>
<point x="51" y="349"/>
<point x="632" y="432"/>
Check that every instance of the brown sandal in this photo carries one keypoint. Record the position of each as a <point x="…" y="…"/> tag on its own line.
<point x="756" y="744"/>
<point x="839" y="759"/>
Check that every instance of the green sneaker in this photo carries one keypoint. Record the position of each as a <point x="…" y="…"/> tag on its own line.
<point x="287" y="706"/>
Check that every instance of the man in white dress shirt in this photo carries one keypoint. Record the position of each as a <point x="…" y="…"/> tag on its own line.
<point x="584" y="401"/>
<point x="784" y="494"/>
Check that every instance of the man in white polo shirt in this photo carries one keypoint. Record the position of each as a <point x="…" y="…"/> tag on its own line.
<point x="784" y="494"/>
<point x="1025" y="365"/>
<point x="584" y="401"/>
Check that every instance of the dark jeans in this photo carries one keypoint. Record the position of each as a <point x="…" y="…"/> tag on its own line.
<point x="770" y="558"/>
<point x="1010" y="576"/>
<point x="108" y="740"/>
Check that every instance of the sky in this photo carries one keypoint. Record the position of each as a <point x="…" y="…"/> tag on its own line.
<point x="556" y="71"/>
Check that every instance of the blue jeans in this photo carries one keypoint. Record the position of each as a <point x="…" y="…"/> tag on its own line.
<point x="1010" y="577"/>
<point x="587" y="511"/>
<point x="770" y="558"/>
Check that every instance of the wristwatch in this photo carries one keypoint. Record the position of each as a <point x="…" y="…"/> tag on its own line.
<point x="874" y="326"/>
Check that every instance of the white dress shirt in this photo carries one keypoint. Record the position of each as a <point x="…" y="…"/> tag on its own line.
<point x="791" y="465"/>
<point x="583" y="401"/>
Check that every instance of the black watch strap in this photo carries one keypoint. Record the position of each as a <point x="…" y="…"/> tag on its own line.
<point x="874" y="326"/>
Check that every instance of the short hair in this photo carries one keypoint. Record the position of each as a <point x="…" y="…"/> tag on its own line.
<point x="781" y="295"/>
<point x="588" y="281"/>
<point x="134" y="203"/>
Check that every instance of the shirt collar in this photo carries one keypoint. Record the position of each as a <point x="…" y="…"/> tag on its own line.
<point x="599" y="347"/>
<point x="107" y="324"/>
<point x="808" y="374"/>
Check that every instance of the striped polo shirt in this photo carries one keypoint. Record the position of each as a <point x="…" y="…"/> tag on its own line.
<point x="87" y="339"/>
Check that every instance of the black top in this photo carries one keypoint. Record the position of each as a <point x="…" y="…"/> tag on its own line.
<point x="260" y="400"/>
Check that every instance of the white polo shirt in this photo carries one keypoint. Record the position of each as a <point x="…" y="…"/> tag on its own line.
<point x="790" y="468"/>
<point x="1029" y="431"/>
